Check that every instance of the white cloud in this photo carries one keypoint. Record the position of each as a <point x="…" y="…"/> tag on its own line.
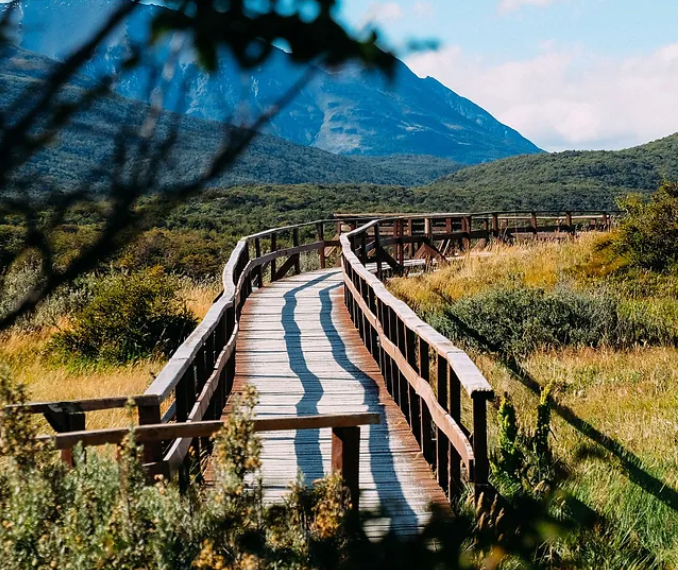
<point x="423" y="9"/>
<point x="567" y="98"/>
<point x="381" y="12"/>
<point x="511" y="5"/>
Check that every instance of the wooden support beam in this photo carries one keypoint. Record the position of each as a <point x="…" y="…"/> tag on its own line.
<point x="296" y="257"/>
<point x="146" y="433"/>
<point x="274" y="247"/>
<point x="346" y="460"/>
<point x="258" y="271"/>
<point x="395" y="266"/>
<point x="321" y="237"/>
<point x="291" y="262"/>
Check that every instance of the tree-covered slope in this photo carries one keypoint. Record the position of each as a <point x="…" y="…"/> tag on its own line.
<point x="572" y="179"/>
<point x="88" y="143"/>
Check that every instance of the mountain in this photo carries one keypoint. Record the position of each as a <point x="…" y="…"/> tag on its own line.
<point x="566" y="180"/>
<point x="87" y="144"/>
<point x="348" y="111"/>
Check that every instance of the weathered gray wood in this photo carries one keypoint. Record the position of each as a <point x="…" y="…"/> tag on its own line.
<point x="298" y="347"/>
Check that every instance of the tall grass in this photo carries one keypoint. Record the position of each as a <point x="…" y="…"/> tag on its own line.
<point x="25" y="352"/>
<point x="577" y="317"/>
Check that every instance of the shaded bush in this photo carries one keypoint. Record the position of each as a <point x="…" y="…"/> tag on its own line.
<point x="520" y="320"/>
<point x="649" y="233"/>
<point x="128" y="317"/>
<point x="198" y="254"/>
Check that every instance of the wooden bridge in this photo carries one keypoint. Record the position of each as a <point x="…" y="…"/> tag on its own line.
<point x="348" y="377"/>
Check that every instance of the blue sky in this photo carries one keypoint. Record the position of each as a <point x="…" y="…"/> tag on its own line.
<point x="566" y="73"/>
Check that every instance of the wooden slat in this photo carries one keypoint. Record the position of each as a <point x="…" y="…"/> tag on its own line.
<point x="298" y="347"/>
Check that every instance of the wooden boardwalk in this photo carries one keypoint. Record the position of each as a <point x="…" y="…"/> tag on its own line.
<point x="298" y="347"/>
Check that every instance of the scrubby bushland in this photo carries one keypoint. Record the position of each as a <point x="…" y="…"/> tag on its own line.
<point x="129" y="317"/>
<point x="519" y="320"/>
<point x="101" y="514"/>
<point x="649" y="233"/>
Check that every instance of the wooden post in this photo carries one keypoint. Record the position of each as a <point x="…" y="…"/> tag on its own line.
<point x="64" y="418"/>
<point x="346" y="460"/>
<point x="274" y="247"/>
<point x="321" y="238"/>
<point x="467" y="223"/>
<point x="482" y="463"/>
<point x="401" y="246"/>
<point x="454" y="409"/>
<point x="495" y="226"/>
<point x="442" y="442"/>
<point x="533" y="223"/>
<point x="149" y="415"/>
<point x="377" y="249"/>
<point x="257" y="255"/>
<point x="425" y="372"/>
<point x="568" y="221"/>
<point x="410" y="232"/>
<point x="363" y="247"/>
<point x="295" y="242"/>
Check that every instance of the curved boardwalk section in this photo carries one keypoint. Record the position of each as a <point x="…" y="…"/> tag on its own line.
<point x="298" y="347"/>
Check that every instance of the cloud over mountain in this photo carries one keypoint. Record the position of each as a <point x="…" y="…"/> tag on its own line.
<point x="565" y="96"/>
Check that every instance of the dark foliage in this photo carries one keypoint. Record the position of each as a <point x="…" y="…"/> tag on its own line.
<point x="649" y="233"/>
<point x="129" y="317"/>
<point x="522" y="319"/>
<point x="571" y="180"/>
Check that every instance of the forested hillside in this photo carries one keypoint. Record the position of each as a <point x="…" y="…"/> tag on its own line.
<point x="572" y="179"/>
<point x="88" y="144"/>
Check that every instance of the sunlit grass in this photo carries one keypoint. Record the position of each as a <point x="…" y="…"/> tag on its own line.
<point x="616" y="421"/>
<point x="26" y="353"/>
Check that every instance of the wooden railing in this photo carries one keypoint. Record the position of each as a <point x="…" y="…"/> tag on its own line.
<point x="345" y="438"/>
<point x="425" y="373"/>
<point x="197" y="380"/>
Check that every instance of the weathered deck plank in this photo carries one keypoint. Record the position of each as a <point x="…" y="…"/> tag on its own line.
<point x="298" y="347"/>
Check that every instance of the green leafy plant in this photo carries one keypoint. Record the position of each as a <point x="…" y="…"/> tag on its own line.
<point x="649" y="232"/>
<point x="128" y="317"/>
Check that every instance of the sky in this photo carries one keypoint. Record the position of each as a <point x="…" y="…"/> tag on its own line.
<point x="567" y="74"/>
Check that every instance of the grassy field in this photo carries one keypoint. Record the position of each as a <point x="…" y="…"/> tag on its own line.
<point x="26" y="352"/>
<point x="615" y="417"/>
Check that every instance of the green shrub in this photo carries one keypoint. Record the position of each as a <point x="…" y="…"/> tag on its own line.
<point x="522" y="319"/>
<point x="128" y="317"/>
<point x="649" y="233"/>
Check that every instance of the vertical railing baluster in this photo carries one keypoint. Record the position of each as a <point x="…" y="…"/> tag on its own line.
<point x="257" y="255"/>
<point x="455" y="411"/>
<point x="297" y="256"/>
<point x="482" y="463"/>
<point x="442" y="442"/>
<point x="425" y="415"/>
<point x="321" y="238"/>
<point x="274" y="247"/>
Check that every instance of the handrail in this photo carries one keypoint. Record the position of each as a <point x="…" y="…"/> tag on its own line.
<point x="405" y="346"/>
<point x="151" y="433"/>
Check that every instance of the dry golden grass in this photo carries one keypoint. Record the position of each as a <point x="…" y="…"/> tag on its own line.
<point x="616" y="424"/>
<point x="541" y="264"/>
<point x="28" y="360"/>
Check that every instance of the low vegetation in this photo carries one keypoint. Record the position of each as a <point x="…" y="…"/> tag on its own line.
<point x="128" y="317"/>
<point x="588" y="328"/>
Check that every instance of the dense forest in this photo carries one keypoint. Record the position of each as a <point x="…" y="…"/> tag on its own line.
<point x="572" y="179"/>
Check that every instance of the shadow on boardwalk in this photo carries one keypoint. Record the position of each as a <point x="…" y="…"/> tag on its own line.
<point x="307" y="442"/>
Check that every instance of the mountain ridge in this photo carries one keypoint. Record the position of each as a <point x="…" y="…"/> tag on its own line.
<point x="88" y="142"/>
<point x="565" y="180"/>
<point x="347" y="111"/>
